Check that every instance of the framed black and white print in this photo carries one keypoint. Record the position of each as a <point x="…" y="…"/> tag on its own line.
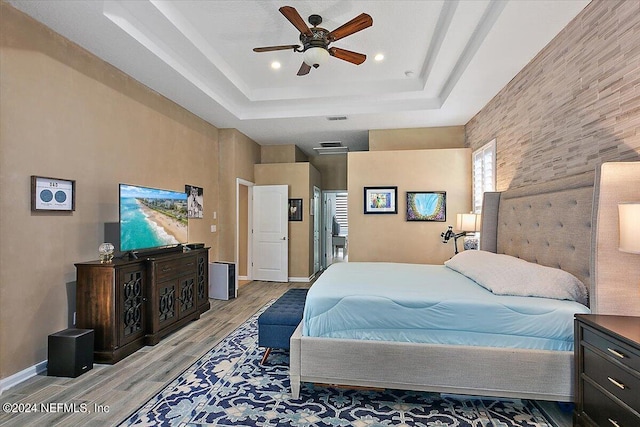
<point x="52" y="194"/>
<point x="295" y="209"/>
<point x="427" y="206"/>
<point x="380" y="200"/>
<point x="194" y="201"/>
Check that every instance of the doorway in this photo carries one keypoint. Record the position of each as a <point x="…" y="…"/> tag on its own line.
<point x="335" y="235"/>
<point x="317" y="234"/>
<point x="262" y="232"/>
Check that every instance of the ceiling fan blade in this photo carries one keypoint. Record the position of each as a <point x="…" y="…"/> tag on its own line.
<point x="272" y="48"/>
<point x="347" y="55"/>
<point x="304" y="69"/>
<point x="294" y="17"/>
<point x="358" y="23"/>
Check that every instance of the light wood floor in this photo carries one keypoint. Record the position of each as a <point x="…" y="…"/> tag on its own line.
<point x="127" y="385"/>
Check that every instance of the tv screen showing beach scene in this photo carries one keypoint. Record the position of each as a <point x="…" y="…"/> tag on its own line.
<point x="151" y="218"/>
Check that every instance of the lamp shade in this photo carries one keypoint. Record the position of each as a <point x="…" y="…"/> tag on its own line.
<point x="468" y="222"/>
<point x="629" y="220"/>
<point x="315" y="56"/>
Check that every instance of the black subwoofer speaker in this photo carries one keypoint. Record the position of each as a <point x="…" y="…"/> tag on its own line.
<point x="70" y="353"/>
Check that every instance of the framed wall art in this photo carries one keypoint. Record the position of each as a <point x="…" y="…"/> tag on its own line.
<point x="52" y="194"/>
<point x="380" y="200"/>
<point x="427" y="206"/>
<point x="195" y="201"/>
<point x="295" y="209"/>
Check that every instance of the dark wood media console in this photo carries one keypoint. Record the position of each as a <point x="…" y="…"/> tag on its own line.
<point x="137" y="302"/>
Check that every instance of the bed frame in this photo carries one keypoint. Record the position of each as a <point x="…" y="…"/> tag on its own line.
<point x="550" y="224"/>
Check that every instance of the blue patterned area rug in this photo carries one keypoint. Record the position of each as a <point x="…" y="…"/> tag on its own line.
<point x="229" y="387"/>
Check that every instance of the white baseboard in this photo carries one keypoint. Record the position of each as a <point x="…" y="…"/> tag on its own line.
<point x="17" y="378"/>
<point x="300" y="279"/>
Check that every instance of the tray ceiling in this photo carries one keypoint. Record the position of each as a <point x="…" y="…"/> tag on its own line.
<point x="443" y="60"/>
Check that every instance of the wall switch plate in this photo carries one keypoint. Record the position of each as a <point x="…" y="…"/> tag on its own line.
<point x="213" y="228"/>
<point x="215" y="215"/>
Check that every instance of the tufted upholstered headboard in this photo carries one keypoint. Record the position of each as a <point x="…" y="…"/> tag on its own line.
<point x="549" y="224"/>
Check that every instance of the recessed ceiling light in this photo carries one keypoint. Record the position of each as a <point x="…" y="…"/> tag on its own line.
<point x="275" y="65"/>
<point x="379" y="57"/>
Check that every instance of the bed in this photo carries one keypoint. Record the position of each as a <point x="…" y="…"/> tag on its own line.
<point x="548" y="224"/>
<point x="438" y="304"/>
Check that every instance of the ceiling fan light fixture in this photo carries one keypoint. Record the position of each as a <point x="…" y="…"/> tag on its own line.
<point x="315" y="40"/>
<point x="315" y="56"/>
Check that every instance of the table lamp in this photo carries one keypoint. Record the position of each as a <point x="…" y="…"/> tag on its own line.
<point x="629" y="223"/>
<point x="469" y="223"/>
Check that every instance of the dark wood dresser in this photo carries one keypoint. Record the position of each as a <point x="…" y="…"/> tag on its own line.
<point x="133" y="303"/>
<point x="607" y="350"/>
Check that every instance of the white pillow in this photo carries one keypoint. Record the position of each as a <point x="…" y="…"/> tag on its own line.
<point x="507" y="275"/>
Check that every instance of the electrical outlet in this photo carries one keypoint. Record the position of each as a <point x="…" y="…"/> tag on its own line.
<point x="213" y="228"/>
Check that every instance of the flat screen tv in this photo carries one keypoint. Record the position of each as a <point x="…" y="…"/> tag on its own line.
<point x="151" y="218"/>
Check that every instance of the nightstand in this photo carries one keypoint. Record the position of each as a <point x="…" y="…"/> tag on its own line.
<point x="607" y="356"/>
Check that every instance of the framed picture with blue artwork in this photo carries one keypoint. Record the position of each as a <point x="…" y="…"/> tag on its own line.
<point x="427" y="206"/>
<point x="380" y="200"/>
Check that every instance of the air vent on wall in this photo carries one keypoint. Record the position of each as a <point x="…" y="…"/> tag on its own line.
<point x="331" y="147"/>
<point x="331" y="144"/>
<point x="336" y="118"/>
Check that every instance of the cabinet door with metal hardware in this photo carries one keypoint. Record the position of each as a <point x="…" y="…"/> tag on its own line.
<point x="607" y="350"/>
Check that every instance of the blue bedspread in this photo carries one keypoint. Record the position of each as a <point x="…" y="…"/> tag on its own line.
<point x="431" y="304"/>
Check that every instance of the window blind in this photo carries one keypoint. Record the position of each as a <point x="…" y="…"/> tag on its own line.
<point x="341" y="213"/>
<point x="484" y="176"/>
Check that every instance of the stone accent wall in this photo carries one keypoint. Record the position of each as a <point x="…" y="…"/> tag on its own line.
<point x="574" y="106"/>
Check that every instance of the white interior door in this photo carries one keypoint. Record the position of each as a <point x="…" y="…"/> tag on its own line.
<point x="270" y="233"/>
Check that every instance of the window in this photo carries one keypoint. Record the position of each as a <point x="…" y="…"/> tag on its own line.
<point x="484" y="173"/>
<point x="341" y="213"/>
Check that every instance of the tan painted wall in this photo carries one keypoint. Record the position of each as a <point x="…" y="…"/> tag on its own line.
<point x="238" y="155"/>
<point x="388" y="237"/>
<point x="416" y="138"/>
<point x="278" y="153"/>
<point x="333" y="168"/>
<point x="67" y="114"/>
<point x="300" y="156"/>
<point x="300" y="178"/>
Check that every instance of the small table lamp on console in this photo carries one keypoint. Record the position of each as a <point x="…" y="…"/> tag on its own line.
<point x="470" y="225"/>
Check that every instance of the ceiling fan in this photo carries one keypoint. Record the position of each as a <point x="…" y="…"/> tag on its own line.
<point x="315" y="40"/>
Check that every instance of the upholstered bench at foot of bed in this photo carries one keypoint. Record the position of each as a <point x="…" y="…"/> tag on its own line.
<point x="277" y="323"/>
